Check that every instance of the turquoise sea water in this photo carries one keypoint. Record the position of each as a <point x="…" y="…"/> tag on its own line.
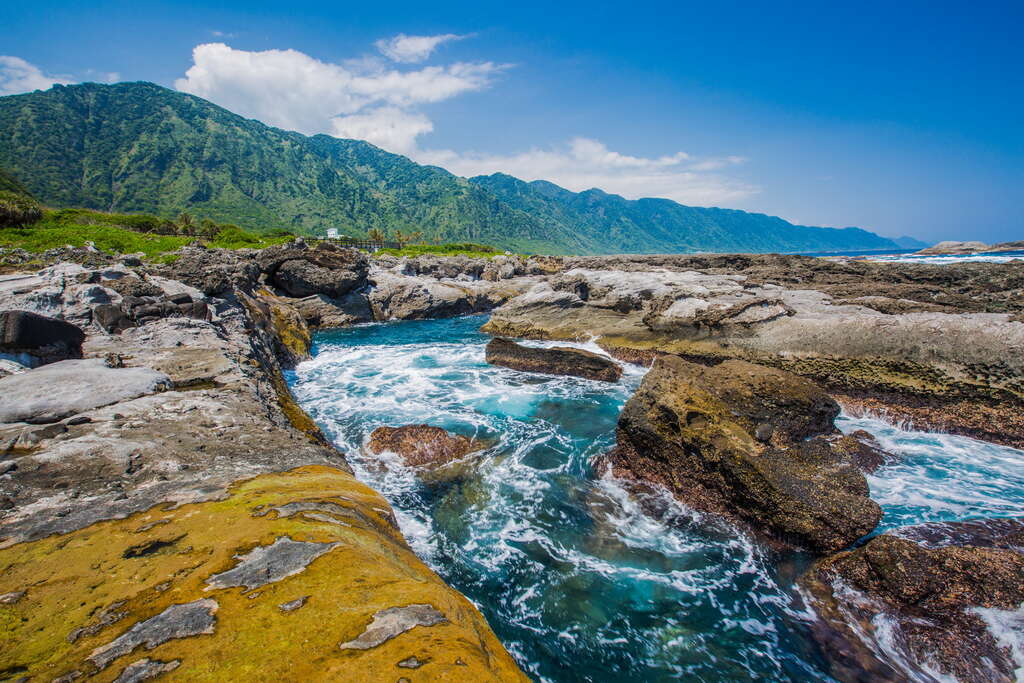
<point x="579" y="580"/>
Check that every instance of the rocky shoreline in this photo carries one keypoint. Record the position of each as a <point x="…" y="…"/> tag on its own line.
<point x="175" y="510"/>
<point x="166" y="505"/>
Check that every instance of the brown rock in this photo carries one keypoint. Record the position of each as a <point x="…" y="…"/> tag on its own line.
<point x="928" y="597"/>
<point x="863" y="450"/>
<point x="559" y="360"/>
<point x="746" y="441"/>
<point x="421" y="444"/>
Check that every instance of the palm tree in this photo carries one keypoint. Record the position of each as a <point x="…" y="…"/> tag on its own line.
<point x="376" y="235"/>
<point x="186" y="224"/>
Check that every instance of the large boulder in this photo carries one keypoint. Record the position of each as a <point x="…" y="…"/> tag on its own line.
<point x="299" y="271"/>
<point x="321" y="311"/>
<point x="748" y="442"/>
<point x="42" y="338"/>
<point x="396" y="297"/>
<point x="560" y="360"/>
<point x="214" y="272"/>
<point x="69" y="387"/>
<point x="894" y="602"/>
<point x="421" y="444"/>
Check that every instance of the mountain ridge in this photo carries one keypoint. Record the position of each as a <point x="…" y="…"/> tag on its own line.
<point x="141" y="147"/>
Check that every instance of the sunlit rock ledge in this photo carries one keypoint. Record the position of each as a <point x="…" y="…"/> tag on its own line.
<point x="167" y="508"/>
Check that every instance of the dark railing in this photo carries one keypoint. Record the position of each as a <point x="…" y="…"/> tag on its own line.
<point x="372" y="245"/>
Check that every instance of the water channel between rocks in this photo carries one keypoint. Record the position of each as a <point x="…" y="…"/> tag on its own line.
<point x="577" y="581"/>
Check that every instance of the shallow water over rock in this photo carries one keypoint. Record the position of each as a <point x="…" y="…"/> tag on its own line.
<point x="577" y="578"/>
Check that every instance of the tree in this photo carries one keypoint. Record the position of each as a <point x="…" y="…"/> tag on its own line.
<point x="207" y="228"/>
<point x="18" y="209"/>
<point x="186" y="224"/>
<point x="376" y="235"/>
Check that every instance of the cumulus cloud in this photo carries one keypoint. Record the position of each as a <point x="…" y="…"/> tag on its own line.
<point x="18" y="76"/>
<point x="411" y="49"/>
<point x="583" y="163"/>
<point x="389" y="128"/>
<point x="369" y="99"/>
<point x="292" y="90"/>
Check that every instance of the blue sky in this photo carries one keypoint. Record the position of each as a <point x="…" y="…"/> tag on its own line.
<point x="903" y="118"/>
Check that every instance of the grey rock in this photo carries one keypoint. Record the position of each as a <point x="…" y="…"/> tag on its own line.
<point x="145" y="669"/>
<point x="45" y="338"/>
<point x="69" y="387"/>
<point x="559" y="360"/>
<point x="321" y="311"/>
<point x="392" y="622"/>
<point x="267" y="564"/>
<point x="293" y="605"/>
<point x="411" y="663"/>
<point x="177" y="621"/>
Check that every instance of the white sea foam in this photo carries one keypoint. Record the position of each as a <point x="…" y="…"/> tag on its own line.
<point x="572" y="568"/>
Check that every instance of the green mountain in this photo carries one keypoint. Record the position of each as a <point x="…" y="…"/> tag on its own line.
<point x="140" y="147"/>
<point x="612" y="223"/>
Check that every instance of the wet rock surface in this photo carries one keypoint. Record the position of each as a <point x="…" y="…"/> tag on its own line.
<point x="559" y="360"/>
<point x="421" y="444"/>
<point x="748" y="442"/>
<point x="932" y="606"/>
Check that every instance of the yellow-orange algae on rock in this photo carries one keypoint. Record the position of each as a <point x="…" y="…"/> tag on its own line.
<point x="307" y="561"/>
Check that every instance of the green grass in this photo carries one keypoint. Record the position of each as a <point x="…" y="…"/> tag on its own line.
<point x="120" y="234"/>
<point x="459" y="249"/>
<point x="43" y="236"/>
<point x="236" y="238"/>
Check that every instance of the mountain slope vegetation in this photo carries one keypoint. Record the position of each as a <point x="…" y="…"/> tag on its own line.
<point x="139" y="147"/>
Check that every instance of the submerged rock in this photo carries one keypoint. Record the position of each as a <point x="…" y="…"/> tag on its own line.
<point x="746" y="441"/>
<point x="421" y="444"/>
<point x="932" y="606"/>
<point x="560" y="360"/>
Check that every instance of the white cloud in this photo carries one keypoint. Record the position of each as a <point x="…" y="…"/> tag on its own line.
<point x="103" y="76"/>
<point x="389" y="128"/>
<point x="368" y="99"/>
<point x="583" y="163"/>
<point x="18" y="76"/>
<point x="409" y="49"/>
<point x="292" y="90"/>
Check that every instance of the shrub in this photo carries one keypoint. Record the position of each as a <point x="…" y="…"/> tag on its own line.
<point x="18" y="209"/>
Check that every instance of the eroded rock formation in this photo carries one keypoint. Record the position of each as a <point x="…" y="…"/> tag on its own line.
<point x="165" y="506"/>
<point x="939" y="346"/>
<point x="748" y="442"/>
